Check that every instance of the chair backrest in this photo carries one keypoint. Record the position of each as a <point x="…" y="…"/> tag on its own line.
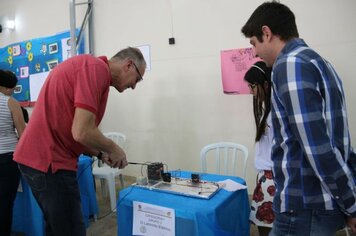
<point x="118" y="138"/>
<point x="226" y="157"/>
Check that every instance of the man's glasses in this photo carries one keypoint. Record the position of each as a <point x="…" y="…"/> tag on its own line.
<point x="252" y="86"/>
<point x="139" y="78"/>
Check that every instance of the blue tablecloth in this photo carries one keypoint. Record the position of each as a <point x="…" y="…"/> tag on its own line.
<point x="27" y="215"/>
<point x="225" y="214"/>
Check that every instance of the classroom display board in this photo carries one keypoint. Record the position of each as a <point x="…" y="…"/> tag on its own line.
<point x="32" y="60"/>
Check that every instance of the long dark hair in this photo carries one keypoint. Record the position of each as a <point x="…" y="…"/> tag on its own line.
<point x="260" y="76"/>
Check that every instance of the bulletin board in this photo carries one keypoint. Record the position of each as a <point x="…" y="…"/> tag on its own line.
<point x="234" y="65"/>
<point x="32" y="60"/>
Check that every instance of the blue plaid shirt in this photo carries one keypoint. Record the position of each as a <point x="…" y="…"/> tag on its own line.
<point x="314" y="164"/>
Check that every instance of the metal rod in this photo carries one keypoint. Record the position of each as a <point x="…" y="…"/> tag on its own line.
<point x="73" y="47"/>
<point x="84" y="23"/>
<point x="82" y="3"/>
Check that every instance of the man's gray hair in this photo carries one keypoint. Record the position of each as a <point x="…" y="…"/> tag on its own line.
<point x="131" y="53"/>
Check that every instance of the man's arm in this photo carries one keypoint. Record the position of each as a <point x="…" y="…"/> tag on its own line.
<point x="85" y="131"/>
<point x="17" y="116"/>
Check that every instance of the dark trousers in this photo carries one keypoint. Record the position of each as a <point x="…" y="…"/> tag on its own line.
<point x="58" y="196"/>
<point x="9" y="181"/>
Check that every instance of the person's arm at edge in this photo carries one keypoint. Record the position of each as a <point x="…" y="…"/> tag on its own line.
<point x="17" y="116"/>
<point x="85" y="131"/>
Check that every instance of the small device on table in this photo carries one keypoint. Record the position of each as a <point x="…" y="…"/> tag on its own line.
<point x="155" y="170"/>
<point x="193" y="187"/>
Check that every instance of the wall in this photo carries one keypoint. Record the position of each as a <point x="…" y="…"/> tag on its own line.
<point x="180" y="107"/>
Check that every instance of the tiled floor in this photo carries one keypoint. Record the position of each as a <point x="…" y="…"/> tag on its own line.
<point x="106" y="224"/>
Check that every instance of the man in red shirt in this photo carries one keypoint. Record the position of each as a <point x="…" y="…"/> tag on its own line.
<point x="64" y="124"/>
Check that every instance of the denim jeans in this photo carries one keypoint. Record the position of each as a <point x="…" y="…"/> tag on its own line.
<point x="58" y="196"/>
<point x="308" y="223"/>
<point x="9" y="181"/>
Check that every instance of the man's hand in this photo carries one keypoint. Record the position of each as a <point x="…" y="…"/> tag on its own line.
<point x="351" y="222"/>
<point x="116" y="159"/>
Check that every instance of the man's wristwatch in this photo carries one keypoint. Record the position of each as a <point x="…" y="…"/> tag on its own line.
<point x="100" y="155"/>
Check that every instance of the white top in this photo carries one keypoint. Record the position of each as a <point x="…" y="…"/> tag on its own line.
<point x="8" y="135"/>
<point x="263" y="148"/>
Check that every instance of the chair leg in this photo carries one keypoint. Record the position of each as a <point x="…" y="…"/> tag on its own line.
<point x="347" y="231"/>
<point x="103" y="187"/>
<point x="122" y="181"/>
<point x="112" y="192"/>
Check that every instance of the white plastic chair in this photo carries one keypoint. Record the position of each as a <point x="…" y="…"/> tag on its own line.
<point x="347" y="231"/>
<point x="104" y="172"/>
<point x="226" y="157"/>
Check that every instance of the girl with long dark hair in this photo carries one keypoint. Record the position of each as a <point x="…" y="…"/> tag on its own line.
<point x="258" y="78"/>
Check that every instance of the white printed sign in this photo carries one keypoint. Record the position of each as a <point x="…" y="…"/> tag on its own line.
<point x="152" y="220"/>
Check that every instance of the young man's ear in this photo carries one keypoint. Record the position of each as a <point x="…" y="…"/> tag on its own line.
<point x="267" y="33"/>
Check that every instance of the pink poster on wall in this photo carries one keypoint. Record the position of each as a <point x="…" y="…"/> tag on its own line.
<point x="234" y="64"/>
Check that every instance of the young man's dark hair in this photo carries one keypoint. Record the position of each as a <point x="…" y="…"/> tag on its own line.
<point x="279" y="18"/>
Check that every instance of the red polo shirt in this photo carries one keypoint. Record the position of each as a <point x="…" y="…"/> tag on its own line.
<point x="81" y="81"/>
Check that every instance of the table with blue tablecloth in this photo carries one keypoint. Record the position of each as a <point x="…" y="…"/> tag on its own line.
<point x="224" y="214"/>
<point x="27" y="215"/>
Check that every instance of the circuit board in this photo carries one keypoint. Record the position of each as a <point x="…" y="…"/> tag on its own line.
<point x="202" y="189"/>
